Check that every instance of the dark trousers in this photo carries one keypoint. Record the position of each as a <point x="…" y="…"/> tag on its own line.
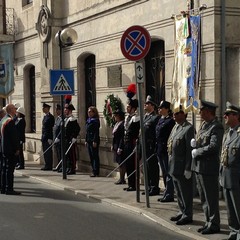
<point x="130" y="164"/>
<point x="153" y="170"/>
<point x="48" y="156"/>
<point x="94" y="158"/>
<point x="209" y="191"/>
<point x="167" y="179"/>
<point x="71" y="158"/>
<point x="7" y="176"/>
<point x="184" y="192"/>
<point x="20" y="158"/>
<point x="57" y="147"/>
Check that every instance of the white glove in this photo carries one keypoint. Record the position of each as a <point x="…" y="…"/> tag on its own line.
<point x="21" y="142"/>
<point x="119" y="151"/>
<point x="193" y="143"/>
<point x="194" y="153"/>
<point x="57" y="140"/>
<point x="74" y="140"/>
<point x="187" y="174"/>
<point x="220" y="182"/>
<point x="50" y="141"/>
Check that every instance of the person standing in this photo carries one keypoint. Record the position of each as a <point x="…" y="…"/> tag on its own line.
<point x="163" y="130"/>
<point x="10" y="150"/>
<point x="93" y="139"/>
<point x="118" y="144"/>
<point x="131" y="128"/>
<point x="57" y="133"/>
<point x="180" y="161"/>
<point x="206" y="163"/>
<point x="20" y="126"/>
<point x="47" y="137"/>
<point x="230" y="169"/>
<point x="72" y="130"/>
<point x="149" y="124"/>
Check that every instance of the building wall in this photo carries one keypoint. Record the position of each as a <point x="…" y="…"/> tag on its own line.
<point x="100" y="25"/>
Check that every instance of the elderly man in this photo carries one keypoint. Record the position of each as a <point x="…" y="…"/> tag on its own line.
<point x="206" y="163"/>
<point x="230" y="169"/>
<point x="10" y="149"/>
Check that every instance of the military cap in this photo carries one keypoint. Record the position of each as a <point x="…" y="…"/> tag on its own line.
<point x="45" y="105"/>
<point x="230" y="108"/>
<point x="150" y="100"/>
<point x="133" y="103"/>
<point x="165" y="104"/>
<point x="17" y="105"/>
<point x="118" y="112"/>
<point x="209" y="105"/>
<point x="70" y="107"/>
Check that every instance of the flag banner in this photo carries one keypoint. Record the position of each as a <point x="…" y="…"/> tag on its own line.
<point x="185" y="80"/>
<point x="6" y="70"/>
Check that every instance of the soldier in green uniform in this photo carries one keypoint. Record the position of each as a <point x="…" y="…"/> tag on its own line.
<point x="180" y="161"/>
<point x="230" y="169"/>
<point x="206" y="165"/>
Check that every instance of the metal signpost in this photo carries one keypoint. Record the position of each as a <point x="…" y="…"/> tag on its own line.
<point x="135" y="44"/>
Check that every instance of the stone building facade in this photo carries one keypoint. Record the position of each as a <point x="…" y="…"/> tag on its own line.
<point x="98" y="63"/>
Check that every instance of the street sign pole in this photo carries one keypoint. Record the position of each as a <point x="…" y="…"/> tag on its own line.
<point x="139" y="75"/>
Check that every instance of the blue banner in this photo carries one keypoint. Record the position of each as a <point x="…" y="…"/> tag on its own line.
<point x="6" y="70"/>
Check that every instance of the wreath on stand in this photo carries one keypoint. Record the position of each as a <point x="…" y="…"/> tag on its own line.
<point x="112" y="103"/>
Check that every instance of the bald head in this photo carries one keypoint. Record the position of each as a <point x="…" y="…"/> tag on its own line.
<point x="11" y="110"/>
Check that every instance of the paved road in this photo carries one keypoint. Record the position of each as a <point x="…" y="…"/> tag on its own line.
<point x="46" y="212"/>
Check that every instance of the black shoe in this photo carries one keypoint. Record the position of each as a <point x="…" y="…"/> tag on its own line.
<point x="125" y="189"/>
<point x="71" y="172"/>
<point x="131" y="189"/>
<point x="59" y="170"/>
<point x="46" y="169"/>
<point x="154" y="193"/>
<point x="19" y="167"/>
<point x="166" y="199"/>
<point x="210" y="231"/>
<point x="201" y="229"/>
<point x="176" y="218"/>
<point x="3" y="191"/>
<point x="12" y="193"/>
<point x="184" y="221"/>
<point x="120" y="182"/>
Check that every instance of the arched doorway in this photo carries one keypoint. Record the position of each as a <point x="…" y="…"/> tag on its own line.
<point x="155" y="71"/>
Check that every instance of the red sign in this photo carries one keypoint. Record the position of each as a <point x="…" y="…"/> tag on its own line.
<point x="135" y="43"/>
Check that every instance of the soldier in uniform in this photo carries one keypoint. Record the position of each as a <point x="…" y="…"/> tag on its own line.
<point x="206" y="163"/>
<point x="47" y="137"/>
<point x="230" y="169"/>
<point x="131" y="128"/>
<point x="149" y="122"/>
<point x="180" y="161"/>
<point x="163" y="130"/>
<point x="72" y="130"/>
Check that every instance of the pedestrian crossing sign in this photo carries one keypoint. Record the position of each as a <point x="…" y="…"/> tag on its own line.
<point x="61" y="82"/>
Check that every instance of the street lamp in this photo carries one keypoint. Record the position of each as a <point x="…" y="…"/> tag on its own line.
<point x="64" y="38"/>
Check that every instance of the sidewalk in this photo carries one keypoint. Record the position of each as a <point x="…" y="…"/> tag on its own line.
<point x="106" y="191"/>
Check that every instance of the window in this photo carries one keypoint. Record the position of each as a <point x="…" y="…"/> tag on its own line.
<point x="26" y="2"/>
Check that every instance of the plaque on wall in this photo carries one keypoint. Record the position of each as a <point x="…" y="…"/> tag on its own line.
<point x="114" y="76"/>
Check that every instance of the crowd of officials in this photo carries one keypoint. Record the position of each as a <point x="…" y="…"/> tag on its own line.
<point x="208" y="156"/>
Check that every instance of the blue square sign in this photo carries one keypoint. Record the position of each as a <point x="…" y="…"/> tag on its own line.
<point x="61" y="82"/>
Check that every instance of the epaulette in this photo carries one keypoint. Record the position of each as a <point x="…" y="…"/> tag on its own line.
<point x="136" y="118"/>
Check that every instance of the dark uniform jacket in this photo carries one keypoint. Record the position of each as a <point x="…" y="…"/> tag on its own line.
<point x="20" y="126"/>
<point x="47" y="127"/>
<point x="92" y="130"/>
<point x="118" y="137"/>
<point x="179" y="148"/>
<point x="131" y="129"/>
<point x="163" y="130"/>
<point x="150" y="121"/>
<point x="209" y="142"/>
<point x="9" y="137"/>
<point x="230" y="160"/>
<point x="72" y="128"/>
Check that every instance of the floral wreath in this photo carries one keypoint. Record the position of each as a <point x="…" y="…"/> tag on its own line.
<point x="112" y="103"/>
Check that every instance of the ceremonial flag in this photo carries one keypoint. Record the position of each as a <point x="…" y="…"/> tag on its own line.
<point x="6" y="70"/>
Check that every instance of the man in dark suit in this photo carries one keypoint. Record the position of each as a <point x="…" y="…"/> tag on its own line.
<point x="230" y="169"/>
<point x="163" y="130"/>
<point x="10" y="146"/>
<point x="180" y="161"/>
<point x="47" y="137"/>
<point x="149" y="123"/>
<point x="206" y="163"/>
